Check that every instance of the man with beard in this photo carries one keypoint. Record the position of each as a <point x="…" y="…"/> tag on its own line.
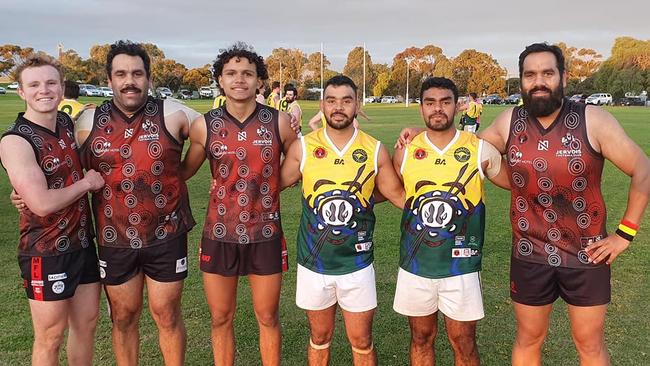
<point x="443" y="227"/>
<point x="142" y="215"/>
<point x="340" y="167"/>
<point x="556" y="150"/>
<point x="293" y="108"/>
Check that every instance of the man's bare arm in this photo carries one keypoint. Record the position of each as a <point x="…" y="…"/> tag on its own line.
<point x="196" y="153"/>
<point x="497" y="132"/>
<point x="387" y="181"/>
<point x="290" y="171"/>
<point x="494" y="166"/>
<point x="287" y="134"/>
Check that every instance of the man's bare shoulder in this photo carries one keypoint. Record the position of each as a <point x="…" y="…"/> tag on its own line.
<point x="85" y="120"/>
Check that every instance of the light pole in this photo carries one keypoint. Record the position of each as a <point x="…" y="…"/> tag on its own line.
<point x="408" y="62"/>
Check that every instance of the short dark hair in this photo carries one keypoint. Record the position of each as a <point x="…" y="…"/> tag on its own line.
<point x="290" y="86"/>
<point x="127" y="48"/>
<point x="275" y="84"/>
<point x="71" y="90"/>
<point x="340" y="80"/>
<point x="473" y="95"/>
<point x="239" y="50"/>
<point x="440" y="83"/>
<point x="542" y="47"/>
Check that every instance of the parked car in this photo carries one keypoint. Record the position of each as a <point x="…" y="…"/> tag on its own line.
<point x="13" y="85"/>
<point x="389" y="99"/>
<point x="89" y="90"/>
<point x="599" y="99"/>
<point x="513" y="98"/>
<point x="370" y="99"/>
<point x="184" y="94"/>
<point x="163" y="92"/>
<point x="578" y="98"/>
<point x="493" y="99"/>
<point x="630" y="101"/>
<point x="106" y="91"/>
<point x="205" y="92"/>
<point x="3" y="90"/>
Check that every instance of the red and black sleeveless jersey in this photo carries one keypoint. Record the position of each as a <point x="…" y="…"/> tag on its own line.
<point x="245" y="162"/>
<point x="144" y="202"/>
<point x="557" y="208"/>
<point x="69" y="229"/>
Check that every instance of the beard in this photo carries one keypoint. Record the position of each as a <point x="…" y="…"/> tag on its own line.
<point x="339" y="125"/>
<point x="543" y="106"/>
<point x="444" y="126"/>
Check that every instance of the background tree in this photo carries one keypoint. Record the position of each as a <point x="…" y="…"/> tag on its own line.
<point x="293" y="65"/>
<point x="580" y="63"/>
<point x="74" y="67"/>
<point x="478" y="72"/>
<point x="354" y="69"/>
<point x="168" y="72"/>
<point x="12" y="55"/>
<point x="198" y="77"/>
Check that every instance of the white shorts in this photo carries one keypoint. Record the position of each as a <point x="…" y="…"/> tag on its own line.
<point x="470" y="128"/>
<point x="355" y="292"/>
<point x="458" y="297"/>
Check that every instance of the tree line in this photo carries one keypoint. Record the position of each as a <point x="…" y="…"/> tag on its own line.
<point x="626" y="70"/>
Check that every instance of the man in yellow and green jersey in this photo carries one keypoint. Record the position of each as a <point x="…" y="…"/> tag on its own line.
<point x="274" y="98"/>
<point x="69" y="104"/>
<point x="219" y="101"/>
<point x="473" y="110"/>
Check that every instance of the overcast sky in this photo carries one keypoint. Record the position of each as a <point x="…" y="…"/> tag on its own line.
<point x="193" y="34"/>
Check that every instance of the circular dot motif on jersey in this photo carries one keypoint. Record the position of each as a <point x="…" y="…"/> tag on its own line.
<point x="131" y="232"/>
<point x="216" y="124"/>
<point x="68" y="161"/>
<point x="125" y="151"/>
<point x="264" y="115"/>
<point x="579" y="184"/>
<point x="151" y="109"/>
<point x="221" y="192"/>
<point x="157" y="167"/>
<point x="216" y="149"/>
<point x="83" y="220"/>
<point x="267" y="231"/>
<point x="76" y="176"/>
<point x="105" y="108"/>
<point x="81" y="234"/>
<point x="216" y="113"/>
<point x="554" y="259"/>
<point x="583" y="220"/>
<point x="160" y="201"/>
<point x="576" y="166"/>
<point x="57" y="183"/>
<point x="522" y="224"/>
<point x="109" y="234"/>
<point x="524" y="247"/>
<point x="241" y="185"/>
<point x="61" y="120"/>
<point x="522" y="113"/>
<point x="155" y="150"/>
<point x="267" y="201"/>
<point x="24" y="129"/>
<point x="545" y="199"/>
<point x="244" y="239"/>
<point x="518" y="180"/>
<point x="519" y="126"/>
<point x="82" y="204"/>
<point x="134" y="218"/>
<point x="85" y="243"/>
<point x="571" y="120"/>
<point x="583" y="257"/>
<point x="221" y="209"/>
<point x="161" y="232"/>
<point x="267" y="171"/>
<point x="540" y="164"/>
<point x="49" y="164"/>
<point x="102" y="120"/>
<point x="153" y="129"/>
<point x="554" y="234"/>
<point x="579" y="204"/>
<point x="521" y="204"/>
<point x="62" y="243"/>
<point x="267" y="154"/>
<point x="156" y="187"/>
<point x="107" y="193"/>
<point x="38" y="141"/>
<point x="108" y="211"/>
<point x="136" y="243"/>
<point x="240" y="153"/>
<point x="244" y="216"/>
<point x="63" y="223"/>
<point x="219" y="230"/>
<point x="105" y="168"/>
<point x="224" y="172"/>
<point x="265" y="188"/>
<point x="240" y="229"/>
<point x="242" y="200"/>
<point x="549" y="248"/>
<point x="545" y="184"/>
<point x="128" y="169"/>
<point x="130" y="201"/>
<point x="514" y="155"/>
<point x="550" y="215"/>
<point x="243" y="171"/>
<point x="99" y="146"/>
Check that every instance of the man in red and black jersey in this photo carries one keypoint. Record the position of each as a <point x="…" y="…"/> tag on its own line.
<point x="56" y="253"/>
<point x="242" y="235"/>
<point x="556" y="149"/>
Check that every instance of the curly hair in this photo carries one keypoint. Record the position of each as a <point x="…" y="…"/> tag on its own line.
<point x="239" y="50"/>
<point x="36" y="60"/>
<point x="127" y="48"/>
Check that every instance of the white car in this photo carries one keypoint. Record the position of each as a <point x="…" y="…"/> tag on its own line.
<point x="163" y="92"/>
<point x="389" y="99"/>
<point x="106" y="91"/>
<point x="89" y="90"/>
<point x="369" y="99"/>
<point x="599" y="99"/>
<point x="205" y="92"/>
<point x="13" y="85"/>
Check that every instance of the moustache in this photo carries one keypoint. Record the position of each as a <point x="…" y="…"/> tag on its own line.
<point x="540" y="88"/>
<point x="130" y="88"/>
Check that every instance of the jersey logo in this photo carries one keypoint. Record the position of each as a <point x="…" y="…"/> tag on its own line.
<point x="420" y="154"/>
<point x="542" y="145"/>
<point x="440" y="162"/>
<point x="360" y="155"/>
<point x="462" y="154"/>
<point x="241" y="136"/>
<point x="320" y="153"/>
<point x="128" y="132"/>
<point x="62" y="144"/>
<point x="339" y="162"/>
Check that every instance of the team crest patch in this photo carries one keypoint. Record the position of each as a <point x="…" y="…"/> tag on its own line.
<point x="462" y="154"/>
<point x="420" y="154"/>
<point x="360" y="155"/>
<point x="320" y="153"/>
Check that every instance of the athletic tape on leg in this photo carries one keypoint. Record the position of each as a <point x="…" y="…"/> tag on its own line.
<point x="364" y="351"/>
<point x="319" y="346"/>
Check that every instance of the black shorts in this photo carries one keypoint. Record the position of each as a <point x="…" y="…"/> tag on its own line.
<point x="166" y="262"/>
<point x="234" y="259"/>
<point x="540" y="284"/>
<point x="57" y="277"/>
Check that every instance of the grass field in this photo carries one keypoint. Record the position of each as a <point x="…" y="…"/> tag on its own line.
<point x="628" y="327"/>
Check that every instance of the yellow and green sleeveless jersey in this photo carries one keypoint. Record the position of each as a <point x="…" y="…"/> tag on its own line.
<point x="443" y="220"/>
<point x="337" y="223"/>
<point x="219" y="102"/>
<point x="71" y="107"/>
<point x="283" y="105"/>
<point x="270" y="101"/>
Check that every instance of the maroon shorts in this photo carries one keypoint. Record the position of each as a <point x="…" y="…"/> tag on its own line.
<point x="165" y="262"/>
<point x="234" y="259"/>
<point x="57" y="277"/>
<point x="540" y="284"/>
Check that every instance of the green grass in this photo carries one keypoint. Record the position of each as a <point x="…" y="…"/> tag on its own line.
<point x="627" y="330"/>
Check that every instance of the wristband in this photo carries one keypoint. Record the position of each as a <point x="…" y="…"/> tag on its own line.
<point x="624" y="235"/>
